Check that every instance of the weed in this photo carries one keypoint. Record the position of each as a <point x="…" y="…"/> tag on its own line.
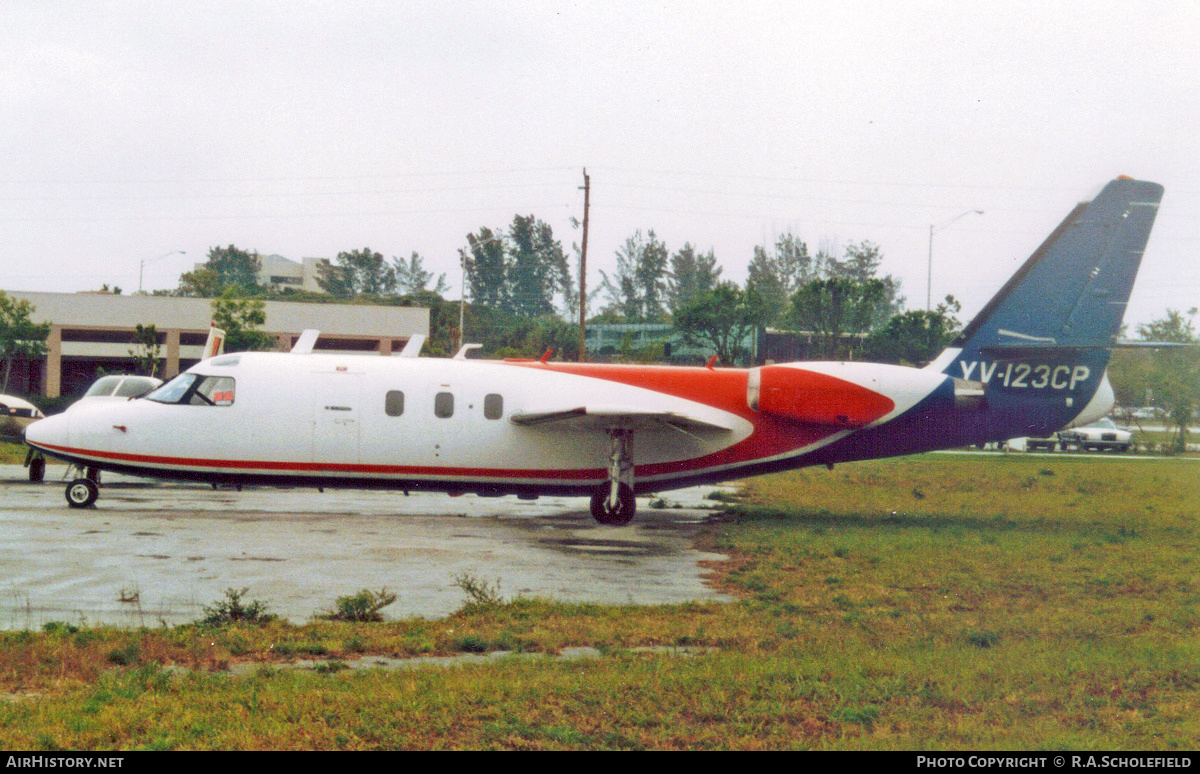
<point x="983" y="639"/>
<point x="361" y="607"/>
<point x="479" y="593"/>
<point x="471" y="643"/>
<point x="865" y="715"/>
<point x="126" y="656"/>
<point x="231" y="609"/>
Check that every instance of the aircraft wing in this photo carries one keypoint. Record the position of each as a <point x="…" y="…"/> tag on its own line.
<point x="604" y="417"/>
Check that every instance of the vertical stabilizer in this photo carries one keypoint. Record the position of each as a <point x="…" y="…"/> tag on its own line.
<point x="1041" y="346"/>
<point x="1073" y="290"/>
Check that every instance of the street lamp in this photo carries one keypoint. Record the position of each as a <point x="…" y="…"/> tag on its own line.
<point x="142" y="266"/>
<point x="932" y="230"/>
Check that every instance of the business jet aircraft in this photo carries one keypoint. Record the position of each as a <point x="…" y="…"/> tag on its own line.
<point x="1032" y="362"/>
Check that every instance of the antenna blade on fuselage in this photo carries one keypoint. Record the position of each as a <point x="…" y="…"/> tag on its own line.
<point x="412" y="347"/>
<point x="306" y="342"/>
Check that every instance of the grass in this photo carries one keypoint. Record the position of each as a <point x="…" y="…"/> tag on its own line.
<point x="935" y="603"/>
<point x="12" y="453"/>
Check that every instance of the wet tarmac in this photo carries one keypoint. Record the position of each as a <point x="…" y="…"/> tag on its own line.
<point x="151" y="554"/>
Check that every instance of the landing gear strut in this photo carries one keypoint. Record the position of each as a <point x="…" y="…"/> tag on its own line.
<point x="613" y="504"/>
<point x="36" y="464"/>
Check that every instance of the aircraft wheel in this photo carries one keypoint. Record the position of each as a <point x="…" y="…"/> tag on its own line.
<point x="37" y="469"/>
<point x="82" y="492"/>
<point x="624" y="512"/>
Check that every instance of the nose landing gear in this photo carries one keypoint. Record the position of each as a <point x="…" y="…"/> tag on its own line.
<point x="82" y="492"/>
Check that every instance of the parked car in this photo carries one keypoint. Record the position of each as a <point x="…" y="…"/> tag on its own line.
<point x="15" y="415"/>
<point x="1036" y="444"/>
<point x="1099" y="436"/>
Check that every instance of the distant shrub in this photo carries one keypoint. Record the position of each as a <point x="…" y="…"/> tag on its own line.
<point x="361" y="607"/>
<point x="479" y="592"/>
<point x="126" y="656"/>
<point x="984" y="639"/>
<point x="471" y="644"/>
<point x="231" y="609"/>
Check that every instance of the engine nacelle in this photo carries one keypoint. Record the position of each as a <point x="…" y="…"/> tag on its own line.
<point x="813" y="396"/>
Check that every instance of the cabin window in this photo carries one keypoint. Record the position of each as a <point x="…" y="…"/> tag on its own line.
<point x="214" y="391"/>
<point x="393" y="403"/>
<point x="493" y="406"/>
<point x="195" y="390"/>
<point x="443" y="405"/>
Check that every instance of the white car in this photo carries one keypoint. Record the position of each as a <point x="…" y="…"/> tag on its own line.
<point x="1099" y="436"/>
<point x="15" y="415"/>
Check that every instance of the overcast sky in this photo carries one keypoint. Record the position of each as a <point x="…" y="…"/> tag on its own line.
<point x="133" y="129"/>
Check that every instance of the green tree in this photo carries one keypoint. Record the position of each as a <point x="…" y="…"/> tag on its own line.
<point x="638" y="289"/>
<point x="20" y="336"/>
<point x="443" y="321"/>
<point x="777" y="274"/>
<point x="725" y="318"/>
<point x="357" y="272"/>
<point x="147" y="351"/>
<point x="860" y="262"/>
<point x="838" y="312"/>
<point x="914" y="337"/>
<point x="691" y="274"/>
<point x="411" y="277"/>
<point x="225" y="267"/>
<point x="1173" y="374"/>
<point x="241" y="317"/>
<point x="486" y="269"/>
<point x="536" y="268"/>
<point x="200" y="283"/>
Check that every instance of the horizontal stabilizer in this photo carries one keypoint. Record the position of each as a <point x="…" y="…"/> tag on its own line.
<point x="1012" y="351"/>
<point x="605" y="417"/>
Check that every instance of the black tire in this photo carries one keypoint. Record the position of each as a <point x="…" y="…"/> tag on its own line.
<point x="82" y="493"/>
<point x="37" y="470"/>
<point x="626" y="506"/>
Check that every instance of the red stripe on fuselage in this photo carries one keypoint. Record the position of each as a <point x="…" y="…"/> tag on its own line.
<point x="91" y="455"/>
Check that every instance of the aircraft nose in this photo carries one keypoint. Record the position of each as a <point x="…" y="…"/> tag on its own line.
<point x="48" y="431"/>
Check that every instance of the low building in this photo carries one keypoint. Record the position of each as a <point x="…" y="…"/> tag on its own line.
<point x="643" y="340"/>
<point x="90" y="332"/>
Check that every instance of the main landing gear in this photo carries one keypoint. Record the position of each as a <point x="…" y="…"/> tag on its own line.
<point x="613" y="504"/>
<point x="36" y="464"/>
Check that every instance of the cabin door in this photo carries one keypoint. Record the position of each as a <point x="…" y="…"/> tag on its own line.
<point x="336" y="417"/>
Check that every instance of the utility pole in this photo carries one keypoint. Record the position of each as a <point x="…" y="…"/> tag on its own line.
<point x="587" y="193"/>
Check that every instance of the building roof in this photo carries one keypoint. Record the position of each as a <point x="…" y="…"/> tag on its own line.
<point x="105" y="310"/>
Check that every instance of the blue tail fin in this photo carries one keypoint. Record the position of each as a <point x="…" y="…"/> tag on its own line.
<point x="1041" y="346"/>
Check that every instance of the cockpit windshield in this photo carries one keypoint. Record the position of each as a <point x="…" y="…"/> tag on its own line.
<point x="121" y="387"/>
<point x="103" y="387"/>
<point x="190" y="389"/>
